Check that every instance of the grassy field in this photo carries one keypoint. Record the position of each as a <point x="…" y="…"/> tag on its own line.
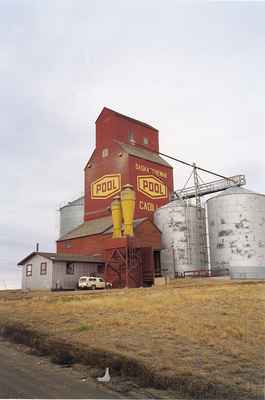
<point x="203" y="337"/>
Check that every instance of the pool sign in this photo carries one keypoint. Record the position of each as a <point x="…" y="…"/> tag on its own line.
<point x="106" y="186"/>
<point x="151" y="186"/>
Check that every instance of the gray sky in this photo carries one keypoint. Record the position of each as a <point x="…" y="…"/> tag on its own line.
<point x="193" y="70"/>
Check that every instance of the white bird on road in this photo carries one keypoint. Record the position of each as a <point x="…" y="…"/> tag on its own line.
<point x="105" y="378"/>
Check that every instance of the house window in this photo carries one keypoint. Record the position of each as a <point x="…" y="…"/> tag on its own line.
<point x="67" y="245"/>
<point x="105" y="153"/>
<point x="146" y="141"/>
<point x="70" y="269"/>
<point x="29" y="270"/>
<point x="43" y="268"/>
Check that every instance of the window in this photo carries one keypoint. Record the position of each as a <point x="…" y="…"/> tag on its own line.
<point x="105" y="153"/>
<point x="101" y="280"/>
<point x="67" y="245"/>
<point x="131" y="136"/>
<point x="29" y="270"/>
<point x="101" y="269"/>
<point x="70" y="269"/>
<point x="43" y="268"/>
<point x="146" y="141"/>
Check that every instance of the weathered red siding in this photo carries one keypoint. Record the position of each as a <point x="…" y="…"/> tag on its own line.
<point x="110" y="128"/>
<point x="98" y="167"/>
<point x="113" y="126"/>
<point x="146" y="205"/>
<point x="87" y="245"/>
<point x="146" y="235"/>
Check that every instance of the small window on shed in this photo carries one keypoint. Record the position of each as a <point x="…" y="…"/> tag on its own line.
<point x="43" y="268"/>
<point x="29" y="270"/>
<point x="146" y="141"/>
<point x="70" y="269"/>
<point x="105" y="153"/>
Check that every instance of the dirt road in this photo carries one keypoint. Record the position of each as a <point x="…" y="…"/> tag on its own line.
<point x="27" y="376"/>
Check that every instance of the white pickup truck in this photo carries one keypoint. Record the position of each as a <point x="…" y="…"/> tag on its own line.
<point x="93" y="282"/>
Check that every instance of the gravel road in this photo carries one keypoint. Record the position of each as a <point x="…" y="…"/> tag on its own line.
<point x="26" y="376"/>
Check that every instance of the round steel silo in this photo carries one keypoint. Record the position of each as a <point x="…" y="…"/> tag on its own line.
<point x="71" y="215"/>
<point x="183" y="238"/>
<point x="236" y="226"/>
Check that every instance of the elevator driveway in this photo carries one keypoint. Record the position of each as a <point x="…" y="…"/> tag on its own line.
<point x="23" y="375"/>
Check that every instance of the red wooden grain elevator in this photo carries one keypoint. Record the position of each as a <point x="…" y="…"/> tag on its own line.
<point x="126" y="153"/>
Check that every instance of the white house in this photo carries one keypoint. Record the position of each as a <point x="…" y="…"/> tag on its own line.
<point x="53" y="271"/>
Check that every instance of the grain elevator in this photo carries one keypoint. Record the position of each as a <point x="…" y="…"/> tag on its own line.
<point x="131" y="226"/>
<point x="126" y="154"/>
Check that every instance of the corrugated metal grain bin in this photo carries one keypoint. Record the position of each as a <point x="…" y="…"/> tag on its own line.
<point x="183" y="237"/>
<point x="236" y="224"/>
<point x="71" y="215"/>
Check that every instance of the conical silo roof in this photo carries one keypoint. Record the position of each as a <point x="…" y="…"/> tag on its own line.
<point x="236" y="190"/>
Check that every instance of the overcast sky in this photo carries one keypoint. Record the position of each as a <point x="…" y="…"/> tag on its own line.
<point x="194" y="70"/>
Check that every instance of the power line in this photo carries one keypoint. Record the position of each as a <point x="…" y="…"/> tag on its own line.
<point x="191" y="165"/>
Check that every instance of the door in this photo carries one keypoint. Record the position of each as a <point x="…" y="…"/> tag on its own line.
<point x="157" y="263"/>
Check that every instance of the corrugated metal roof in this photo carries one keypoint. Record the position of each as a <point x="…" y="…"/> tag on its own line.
<point x="235" y="190"/>
<point x="63" y="257"/>
<point x="95" y="227"/>
<point x="88" y="228"/>
<point x="77" y="202"/>
<point x="40" y="253"/>
<point x="144" y="154"/>
<point x="136" y="223"/>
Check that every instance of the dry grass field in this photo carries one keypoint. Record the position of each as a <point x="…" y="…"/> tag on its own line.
<point x="203" y="337"/>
